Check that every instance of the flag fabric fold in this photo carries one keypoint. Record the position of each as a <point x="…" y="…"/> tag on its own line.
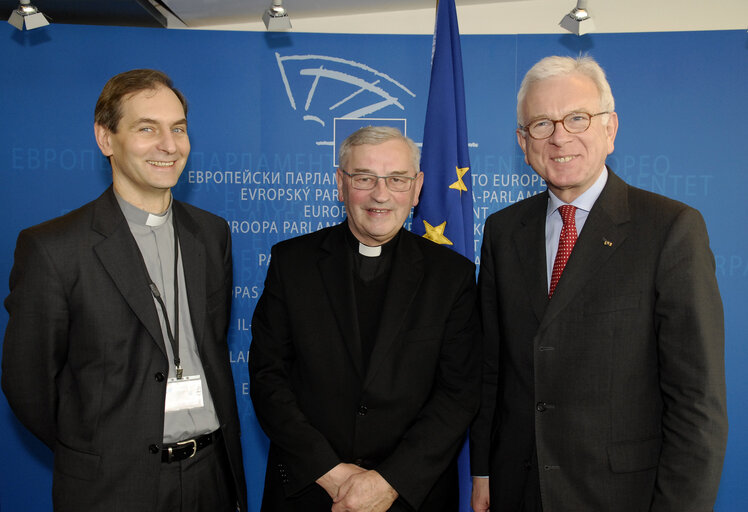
<point x="444" y="213"/>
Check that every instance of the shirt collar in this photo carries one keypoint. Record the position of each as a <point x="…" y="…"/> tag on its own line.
<point x="135" y="215"/>
<point x="369" y="251"/>
<point x="585" y="201"/>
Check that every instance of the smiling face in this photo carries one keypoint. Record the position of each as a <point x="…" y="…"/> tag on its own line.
<point x="149" y="149"/>
<point x="375" y="216"/>
<point x="569" y="162"/>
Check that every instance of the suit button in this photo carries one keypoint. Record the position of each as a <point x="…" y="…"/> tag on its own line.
<point x="362" y="410"/>
<point x="159" y="377"/>
<point x="540" y="406"/>
<point x="358" y="462"/>
<point x="154" y="449"/>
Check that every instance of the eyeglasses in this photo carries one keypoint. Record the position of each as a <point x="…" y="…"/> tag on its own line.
<point x="576" y="122"/>
<point x="367" y="181"/>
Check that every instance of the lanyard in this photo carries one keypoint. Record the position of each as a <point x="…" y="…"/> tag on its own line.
<point x="173" y="337"/>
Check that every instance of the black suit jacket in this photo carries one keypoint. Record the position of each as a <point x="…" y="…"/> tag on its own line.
<point x="84" y="359"/>
<point x="616" y="383"/>
<point x="406" y="415"/>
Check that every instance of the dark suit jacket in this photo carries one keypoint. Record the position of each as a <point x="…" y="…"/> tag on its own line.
<point x="84" y="359"/>
<point x="617" y="382"/>
<point x="407" y="414"/>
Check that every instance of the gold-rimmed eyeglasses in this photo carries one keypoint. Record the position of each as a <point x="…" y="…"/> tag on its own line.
<point x="576" y="122"/>
<point x="367" y="181"/>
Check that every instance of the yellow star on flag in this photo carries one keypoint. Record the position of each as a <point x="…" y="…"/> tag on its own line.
<point x="436" y="234"/>
<point x="459" y="184"/>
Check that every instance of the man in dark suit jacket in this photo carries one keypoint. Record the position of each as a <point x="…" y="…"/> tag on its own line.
<point x="104" y="317"/>
<point x="603" y="390"/>
<point x="362" y="364"/>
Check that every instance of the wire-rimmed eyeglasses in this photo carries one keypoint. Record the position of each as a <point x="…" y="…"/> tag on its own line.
<point x="576" y="122"/>
<point x="367" y="181"/>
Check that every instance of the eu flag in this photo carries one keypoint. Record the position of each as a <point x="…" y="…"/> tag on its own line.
<point x="444" y="213"/>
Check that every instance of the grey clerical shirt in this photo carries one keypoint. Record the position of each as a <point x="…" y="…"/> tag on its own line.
<point x="154" y="235"/>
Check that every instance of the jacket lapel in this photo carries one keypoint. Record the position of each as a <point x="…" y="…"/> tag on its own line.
<point x="336" y="273"/>
<point x="531" y="234"/>
<point x="604" y="231"/>
<point x="120" y="256"/>
<point x="405" y="278"/>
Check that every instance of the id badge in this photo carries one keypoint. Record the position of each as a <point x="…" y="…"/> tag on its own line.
<point x="184" y="393"/>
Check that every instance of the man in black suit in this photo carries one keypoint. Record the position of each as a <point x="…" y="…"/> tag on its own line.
<point x="604" y="386"/>
<point x="362" y="363"/>
<point x="115" y="353"/>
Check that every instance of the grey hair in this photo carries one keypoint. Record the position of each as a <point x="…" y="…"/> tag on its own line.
<point x="376" y="135"/>
<point x="554" y="66"/>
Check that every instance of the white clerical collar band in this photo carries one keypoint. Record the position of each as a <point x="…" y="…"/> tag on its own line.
<point x="157" y="220"/>
<point x="370" y="252"/>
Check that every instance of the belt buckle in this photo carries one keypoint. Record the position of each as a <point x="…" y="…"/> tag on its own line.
<point x="194" y="446"/>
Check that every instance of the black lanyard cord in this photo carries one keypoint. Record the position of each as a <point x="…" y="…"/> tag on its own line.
<point x="173" y="337"/>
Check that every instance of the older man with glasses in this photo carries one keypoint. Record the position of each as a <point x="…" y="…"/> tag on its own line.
<point x="603" y="376"/>
<point x="363" y="364"/>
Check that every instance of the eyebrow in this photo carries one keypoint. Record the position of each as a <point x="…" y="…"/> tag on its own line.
<point x="148" y="120"/>
<point x="548" y="116"/>
<point x="369" y="171"/>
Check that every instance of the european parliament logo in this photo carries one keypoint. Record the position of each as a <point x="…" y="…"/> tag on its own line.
<point x="331" y="91"/>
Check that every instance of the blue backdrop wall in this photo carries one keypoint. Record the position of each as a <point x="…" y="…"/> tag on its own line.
<point x="265" y="117"/>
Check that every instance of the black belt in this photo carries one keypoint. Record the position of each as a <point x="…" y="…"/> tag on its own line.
<point x="188" y="448"/>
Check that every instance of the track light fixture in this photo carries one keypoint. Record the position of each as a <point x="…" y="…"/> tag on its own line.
<point x="276" y="17"/>
<point x="27" y="16"/>
<point x="578" y="21"/>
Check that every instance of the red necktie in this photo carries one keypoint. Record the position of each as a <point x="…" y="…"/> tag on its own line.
<point x="565" y="244"/>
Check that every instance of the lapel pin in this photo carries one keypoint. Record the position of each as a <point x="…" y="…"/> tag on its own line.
<point x="607" y="242"/>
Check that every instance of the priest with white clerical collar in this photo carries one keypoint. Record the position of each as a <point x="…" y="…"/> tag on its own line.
<point x="364" y="362"/>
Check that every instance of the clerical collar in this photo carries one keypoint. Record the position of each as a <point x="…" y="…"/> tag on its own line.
<point x="370" y="263"/>
<point x="370" y="252"/>
<point x="140" y="217"/>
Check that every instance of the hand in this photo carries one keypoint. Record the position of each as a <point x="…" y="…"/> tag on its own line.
<point x="365" y="492"/>
<point x="480" y="500"/>
<point x="333" y="479"/>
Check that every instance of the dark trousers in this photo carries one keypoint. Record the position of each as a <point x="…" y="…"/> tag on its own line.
<point x="202" y="483"/>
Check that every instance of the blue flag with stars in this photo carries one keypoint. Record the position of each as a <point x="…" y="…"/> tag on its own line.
<point x="444" y="213"/>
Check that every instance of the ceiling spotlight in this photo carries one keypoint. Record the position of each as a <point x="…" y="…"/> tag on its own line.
<point x="28" y="16"/>
<point x="276" y="17"/>
<point x="578" y="21"/>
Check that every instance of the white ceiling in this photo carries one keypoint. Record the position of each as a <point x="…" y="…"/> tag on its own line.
<point x="475" y="16"/>
<point x="211" y="12"/>
<point x="400" y="16"/>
